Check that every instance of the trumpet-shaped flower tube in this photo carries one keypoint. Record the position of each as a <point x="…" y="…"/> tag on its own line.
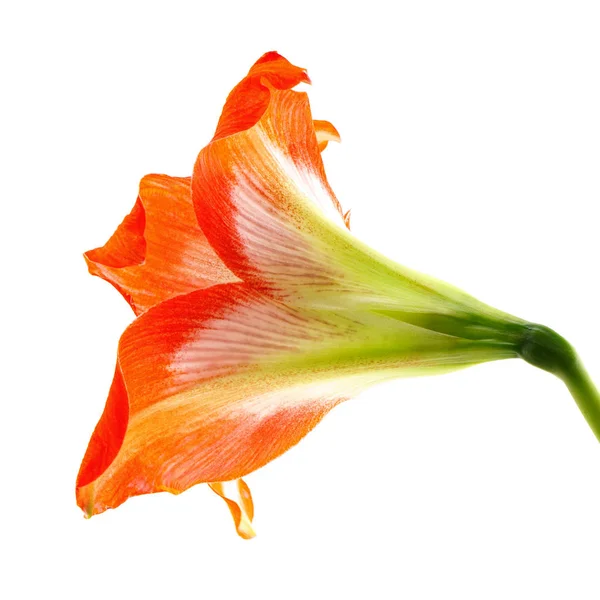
<point x="259" y="311"/>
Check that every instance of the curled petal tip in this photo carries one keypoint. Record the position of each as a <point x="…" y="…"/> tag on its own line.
<point x="347" y="216"/>
<point x="325" y="130"/>
<point x="239" y="501"/>
<point x="325" y="133"/>
<point x="269" y="56"/>
<point x="273" y="55"/>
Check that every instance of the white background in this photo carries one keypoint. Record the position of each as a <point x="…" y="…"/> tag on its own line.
<point x="471" y="151"/>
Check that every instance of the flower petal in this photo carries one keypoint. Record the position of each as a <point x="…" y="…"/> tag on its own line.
<point x="108" y="435"/>
<point x="255" y="195"/>
<point x="261" y="195"/>
<point x="325" y="132"/>
<point x="158" y="251"/>
<point x="248" y="109"/>
<point x="241" y="508"/>
<point x="214" y="384"/>
<point x="249" y="99"/>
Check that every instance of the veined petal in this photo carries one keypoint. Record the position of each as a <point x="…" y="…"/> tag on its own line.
<point x="158" y="251"/>
<point x="251" y="197"/>
<point x="263" y="201"/>
<point x="247" y="104"/>
<point x="214" y="384"/>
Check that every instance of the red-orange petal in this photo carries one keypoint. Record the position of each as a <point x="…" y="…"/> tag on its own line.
<point x="249" y="99"/>
<point x="256" y="195"/>
<point x="214" y="384"/>
<point x="194" y="399"/>
<point x="159" y="250"/>
<point x="108" y="435"/>
<point x="267" y="138"/>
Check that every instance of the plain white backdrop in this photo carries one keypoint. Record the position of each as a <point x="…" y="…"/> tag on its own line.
<point x="471" y="151"/>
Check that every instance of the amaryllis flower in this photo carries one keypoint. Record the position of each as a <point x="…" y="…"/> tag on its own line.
<point x="258" y="311"/>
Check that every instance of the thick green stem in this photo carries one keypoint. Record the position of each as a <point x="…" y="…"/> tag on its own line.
<point x="586" y="395"/>
<point x="544" y="348"/>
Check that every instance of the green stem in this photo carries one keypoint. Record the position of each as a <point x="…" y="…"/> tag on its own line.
<point x="544" y="348"/>
<point x="537" y="344"/>
<point x="586" y="395"/>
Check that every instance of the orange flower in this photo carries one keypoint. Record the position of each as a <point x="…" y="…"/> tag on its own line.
<point x="157" y="253"/>
<point x="258" y="311"/>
